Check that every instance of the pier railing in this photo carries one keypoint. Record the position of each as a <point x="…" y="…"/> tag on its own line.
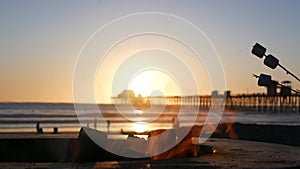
<point x="253" y="102"/>
<point x="264" y="103"/>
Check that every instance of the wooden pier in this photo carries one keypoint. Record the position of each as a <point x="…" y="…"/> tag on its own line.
<point x="244" y="102"/>
<point x="263" y="103"/>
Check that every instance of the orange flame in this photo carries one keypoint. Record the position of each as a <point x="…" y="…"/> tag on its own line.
<point x="226" y="129"/>
<point x="183" y="148"/>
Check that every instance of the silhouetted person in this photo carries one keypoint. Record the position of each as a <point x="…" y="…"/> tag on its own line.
<point x="55" y="130"/>
<point x="108" y="125"/>
<point x="37" y="126"/>
<point x="95" y="123"/>
<point x="175" y="123"/>
<point x="39" y="130"/>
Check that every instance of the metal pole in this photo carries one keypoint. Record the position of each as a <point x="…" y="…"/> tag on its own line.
<point x="288" y="72"/>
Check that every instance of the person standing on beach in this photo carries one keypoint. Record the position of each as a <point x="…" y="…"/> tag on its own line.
<point x="175" y="123"/>
<point x="108" y="125"/>
<point x="39" y="130"/>
<point x="95" y="123"/>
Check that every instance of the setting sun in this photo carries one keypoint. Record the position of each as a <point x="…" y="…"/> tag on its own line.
<point x="139" y="126"/>
<point x="148" y="81"/>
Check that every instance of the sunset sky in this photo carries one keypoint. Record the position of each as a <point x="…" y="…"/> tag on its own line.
<point x="41" y="42"/>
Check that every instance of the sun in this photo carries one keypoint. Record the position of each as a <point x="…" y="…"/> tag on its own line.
<point x="139" y="127"/>
<point x="147" y="81"/>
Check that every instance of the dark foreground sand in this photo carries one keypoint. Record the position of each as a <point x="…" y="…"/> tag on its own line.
<point x="229" y="154"/>
<point x="55" y="151"/>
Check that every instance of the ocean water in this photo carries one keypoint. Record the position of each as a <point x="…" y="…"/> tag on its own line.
<point x="23" y="117"/>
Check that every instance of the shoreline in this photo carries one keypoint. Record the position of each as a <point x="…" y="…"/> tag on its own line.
<point x="244" y="131"/>
<point x="281" y="134"/>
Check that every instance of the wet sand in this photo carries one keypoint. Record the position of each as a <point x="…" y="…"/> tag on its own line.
<point x="280" y="134"/>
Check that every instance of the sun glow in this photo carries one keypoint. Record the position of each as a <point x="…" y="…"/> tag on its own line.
<point x="139" y="127"/>
<point x="148" y="81"/>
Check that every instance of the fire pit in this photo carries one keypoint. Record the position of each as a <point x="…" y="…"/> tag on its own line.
<point x="161" y="144"/>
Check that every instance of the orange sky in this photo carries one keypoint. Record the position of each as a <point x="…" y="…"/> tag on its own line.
<point x="39" y="48"/>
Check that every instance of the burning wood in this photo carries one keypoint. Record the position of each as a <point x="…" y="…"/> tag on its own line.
<point x="226" y="130"/>
<point x="172" y="143"/>
<point x="161" y="144"/>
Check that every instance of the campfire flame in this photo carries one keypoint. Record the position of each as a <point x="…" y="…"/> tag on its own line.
<point x="226" y="128"/>
<point x="182" y="148"/>
<point x="187" y="145"/>
<point x="181" y="141"/>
